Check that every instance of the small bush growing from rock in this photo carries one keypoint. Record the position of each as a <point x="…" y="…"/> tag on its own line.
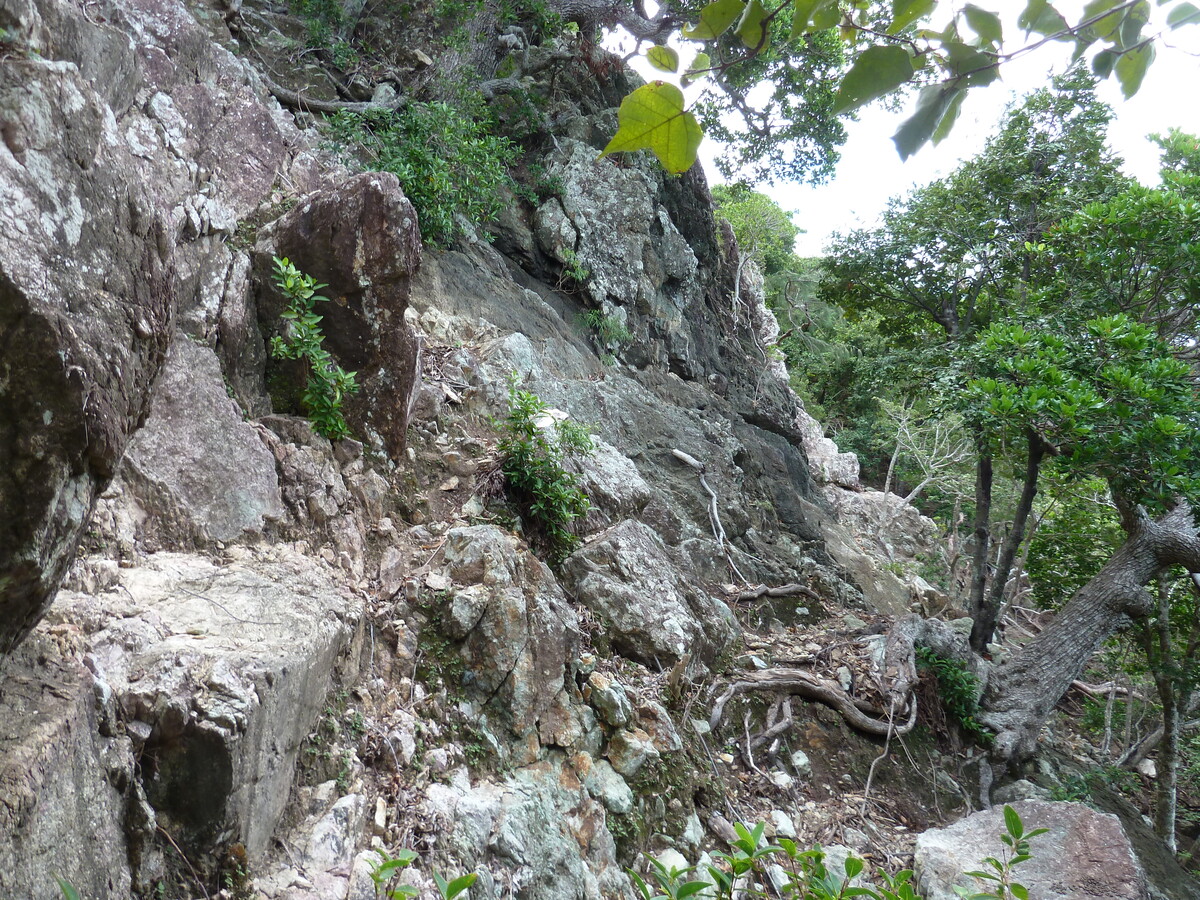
<point x="448" y="162"/>
<point x="328" y="383"/>
<point x="535" y="442"/>
<point x="959" y="690"/>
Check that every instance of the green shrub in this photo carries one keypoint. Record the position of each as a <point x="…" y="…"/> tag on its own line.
<point x="534" y="444"/>
<point x="959" y="690"/>
<point x="328" y="383"/>
<point x="447" y="160"/>
<point x="608" y="329"/>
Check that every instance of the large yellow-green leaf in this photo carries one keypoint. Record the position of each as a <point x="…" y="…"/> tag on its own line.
<point x="814" y="15"/>
<point x="715" y="20"/>
<point x="751" y="29"/>
<point x="663" y="58"/>
<point x="698" y="69"/>
<point x="1040" y="16"/>
<point x="877" y="71"/>
<point x="653" y="118"/>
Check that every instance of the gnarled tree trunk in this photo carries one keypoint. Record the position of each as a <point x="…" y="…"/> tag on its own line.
<point x="1022" y="691"/>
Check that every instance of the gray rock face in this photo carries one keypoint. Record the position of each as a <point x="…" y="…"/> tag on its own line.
<point x="517" y="627"/>
<point x="56" y="783"/>
<point x="654" y="614"/>
<point x="85" y="312"/>
<point x="197" y="469"/>
<point x="360" y="238"/>
<point x="1085" y="855"/>
<point x="218" y="673"/>
<point x="540" y="829"/>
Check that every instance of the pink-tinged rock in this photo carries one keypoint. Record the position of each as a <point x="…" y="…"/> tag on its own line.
<point x="361" y="239"/>
<point x="1085" y="856"/>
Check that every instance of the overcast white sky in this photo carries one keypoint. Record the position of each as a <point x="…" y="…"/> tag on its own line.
<point x="870" y="171"/>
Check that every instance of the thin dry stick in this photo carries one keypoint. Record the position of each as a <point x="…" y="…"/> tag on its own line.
<point x="887" y="744"/>
<point x="186" y="862"/>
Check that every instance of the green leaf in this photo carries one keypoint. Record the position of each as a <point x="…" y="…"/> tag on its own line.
<point x="691" y="888"/>
<point x="751" y="29"/>
<point x="905" y="12"/>
<point x="1183" y="14"/>
<point x="1041" y="17"/>
<point x="1012" y="822"/>
<point x="1103" y="62"/>
<point x="68" y="889"/>
<point x="1131" y="68"/>
<point x="933" y="104"/>
<point x="946" y="125"/>
<point x="457" y="886"/>
<point x="813" y="15"/>
<point x="877" y="71"/>
<point x="1106" y="25"/>
<point x="976" y="67"/>
<point x="985" y="24"/>
<point x="854" y="865"/>
<point x="715" y="20"/>
<point x="653" y="118"/>
<point x="698" y="68"/>
<point x="663" y="58"/>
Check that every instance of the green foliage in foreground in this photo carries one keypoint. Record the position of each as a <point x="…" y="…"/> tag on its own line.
<point x="385" y="872"/>
<point x="447" y="160"/>
<point x="535" y="443"/>
<point x="742" y="872"/>
<point x="328" y="383"/>
<point x="944" y="50"/>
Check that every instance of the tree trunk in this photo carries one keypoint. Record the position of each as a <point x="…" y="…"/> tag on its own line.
<point x="989" y="611"/>
<point x="983" y="516"/>
<point x="1023" y="690"/>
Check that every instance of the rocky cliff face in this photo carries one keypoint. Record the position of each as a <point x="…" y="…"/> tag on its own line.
<point x="270" y="655"/>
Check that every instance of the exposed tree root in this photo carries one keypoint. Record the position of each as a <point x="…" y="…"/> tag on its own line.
<point x="811" y="687"/>
<point x="896" y="681"/>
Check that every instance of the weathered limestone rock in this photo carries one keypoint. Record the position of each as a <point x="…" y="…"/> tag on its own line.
<point x="361" y="239"/>
<point x="61" y="784"/>
<point x="540" y="829"/>
<point x="518" y="629"/>
<point x="654" y="614"/>
<point x="217" y="672"/>
<point x="85" y="312"/>
<point x="828" y="464"/>
<point x="200" y="472"/>
<point x="1085" y="855"/>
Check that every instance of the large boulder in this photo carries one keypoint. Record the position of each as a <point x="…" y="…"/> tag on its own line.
<point x="360" y="239"/>
<point x="85" y="321"/>
<point x="652" y="613"/>
<point x="198" y="470"/>
<point x="1085" y="855"/>
<point x="517" y="629"/>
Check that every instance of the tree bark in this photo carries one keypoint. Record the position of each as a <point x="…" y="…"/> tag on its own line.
<point x="1023" y="690"/>
<point x="989" y="611"/>
<point x="983" y="515"/>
